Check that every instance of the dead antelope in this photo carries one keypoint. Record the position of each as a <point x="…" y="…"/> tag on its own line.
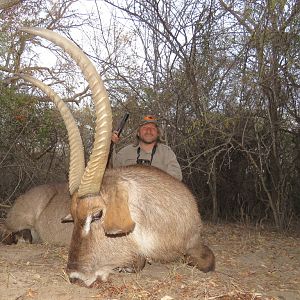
<point x="123" y="216"/>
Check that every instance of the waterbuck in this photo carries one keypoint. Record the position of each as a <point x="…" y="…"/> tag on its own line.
<point x="122" y="217"/>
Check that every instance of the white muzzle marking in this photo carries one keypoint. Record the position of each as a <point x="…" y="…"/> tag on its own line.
<point x="88" y="280"/>
<point x="87" y="226"/>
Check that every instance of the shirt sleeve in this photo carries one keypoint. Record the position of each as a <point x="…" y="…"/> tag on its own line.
<point x="173" y="167"/>
<point x="117" y="159"/>
<point x="125" y="157"/>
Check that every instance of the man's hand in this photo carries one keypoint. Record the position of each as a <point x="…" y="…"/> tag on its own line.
<point x="114" y="137"/>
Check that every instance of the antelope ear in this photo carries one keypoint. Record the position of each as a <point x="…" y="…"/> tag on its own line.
<point x="117" y="219"/>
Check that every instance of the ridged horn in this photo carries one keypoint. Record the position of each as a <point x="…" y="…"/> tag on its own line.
<point x="77" y="164"/>
<point x="92" y="177"/>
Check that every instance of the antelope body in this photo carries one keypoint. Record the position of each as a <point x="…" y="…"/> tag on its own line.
<point x="40" y="210"/>
<point x="167" y="224"/>
<point x="122" y="217"/>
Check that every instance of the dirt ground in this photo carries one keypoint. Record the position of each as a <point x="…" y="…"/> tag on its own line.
<point x="252" y="264"/>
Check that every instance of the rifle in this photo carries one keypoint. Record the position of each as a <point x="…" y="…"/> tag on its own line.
<point x="118" y="130"/>
<point x="122" y="124"/>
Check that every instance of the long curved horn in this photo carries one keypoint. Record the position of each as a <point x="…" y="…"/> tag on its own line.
<point x="92" y="178"/>
<point x="77" y="164"/>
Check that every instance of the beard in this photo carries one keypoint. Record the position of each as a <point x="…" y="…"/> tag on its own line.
<point x="148" y="140"/>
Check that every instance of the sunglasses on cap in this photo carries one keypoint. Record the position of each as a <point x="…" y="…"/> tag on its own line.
<point x="150" y="118"/>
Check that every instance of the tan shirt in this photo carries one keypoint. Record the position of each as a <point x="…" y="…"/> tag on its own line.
<point x="164" y="158"/>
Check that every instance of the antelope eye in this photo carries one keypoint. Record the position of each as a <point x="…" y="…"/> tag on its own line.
<point x="96" y="216"/>
<point x="67" y="219"/>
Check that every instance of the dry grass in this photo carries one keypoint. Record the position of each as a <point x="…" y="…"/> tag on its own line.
<point x="252" y="263"/>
